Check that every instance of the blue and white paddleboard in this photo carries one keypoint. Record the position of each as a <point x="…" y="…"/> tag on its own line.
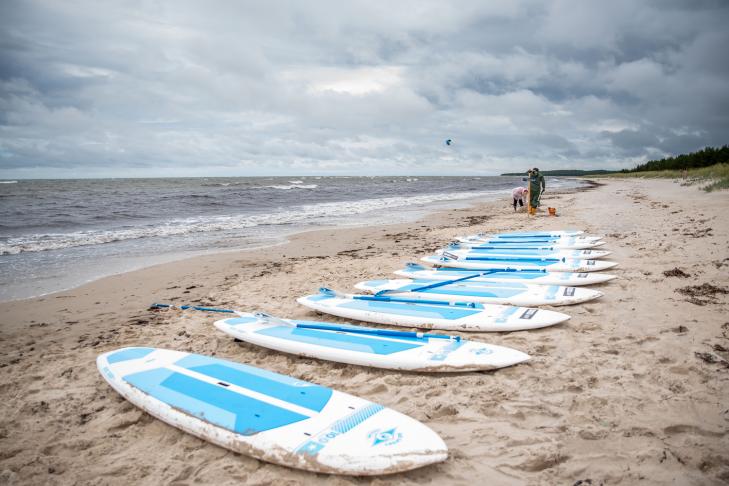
<point x="509" y="293"/>
<point x="503" y="274"/>
<point x="552" y="233"/>
<point x="560" y="244"/>
<point x="368" y="346"/>
<point x="566" y="242"/>
<point x="449" y="259"/>
<point x="271" y="417"/>
<point x="549" y="252"/>
<point x="426" y="314"/>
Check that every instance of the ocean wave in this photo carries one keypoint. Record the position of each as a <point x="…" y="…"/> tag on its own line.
<point x="308" y="213"/>
<point x="8" y="182"/>
<point x="286" y="188"/>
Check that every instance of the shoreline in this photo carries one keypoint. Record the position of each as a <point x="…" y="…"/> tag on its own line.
<point x="68" y="277"/>
<point x="621" y="393"/>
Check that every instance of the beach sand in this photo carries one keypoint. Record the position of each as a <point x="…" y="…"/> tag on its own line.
<point x="634" y="389"/>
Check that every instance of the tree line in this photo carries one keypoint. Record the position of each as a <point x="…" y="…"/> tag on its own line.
<point x="702" y="158"/>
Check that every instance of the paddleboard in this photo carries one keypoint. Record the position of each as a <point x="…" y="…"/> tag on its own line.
<point x="368" y="346"/>
<point x="552" y="233"/>
<point x="539" y="277"/>
<point x="271" y="417"/>
<point x="453" y="316"/>
<point x="510" y="293"/>
<point x="570" y="241"/>
<point x="549" y="264"/>
<point x="550" y="252"/>
<point x="562" y="243"/>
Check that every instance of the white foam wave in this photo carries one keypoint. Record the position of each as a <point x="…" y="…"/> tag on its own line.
<point x="308" y="213"/>
<point x="292" y="186"/>
<point x="8" y="182"/>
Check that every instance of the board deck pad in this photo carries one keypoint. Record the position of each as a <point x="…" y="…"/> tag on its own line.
<point x="269" y="416"/>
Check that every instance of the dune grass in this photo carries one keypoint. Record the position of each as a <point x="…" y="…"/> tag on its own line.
<point x="713" y="178"/>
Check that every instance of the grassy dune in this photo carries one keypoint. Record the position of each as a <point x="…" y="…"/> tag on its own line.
<point x="712" y="178"/>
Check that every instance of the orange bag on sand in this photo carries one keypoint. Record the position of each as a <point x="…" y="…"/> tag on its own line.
<point x="552" y="211"/>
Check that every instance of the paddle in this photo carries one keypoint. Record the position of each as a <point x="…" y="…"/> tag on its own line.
<point x="427" y="287"/>
<point x="480" y="273"/>
<point x="322" y="327"/>
<point x="375" y="298"/>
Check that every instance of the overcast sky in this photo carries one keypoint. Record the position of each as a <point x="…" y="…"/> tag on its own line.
<point x="152" y="88"/>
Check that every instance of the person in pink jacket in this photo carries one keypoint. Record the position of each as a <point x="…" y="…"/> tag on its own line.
<point x="519" y="194"/>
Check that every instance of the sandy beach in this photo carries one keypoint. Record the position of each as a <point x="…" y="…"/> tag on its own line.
<point x="634" y="389"/>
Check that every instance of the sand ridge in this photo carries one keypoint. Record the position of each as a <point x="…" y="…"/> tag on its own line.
<point x="632" y="389"/>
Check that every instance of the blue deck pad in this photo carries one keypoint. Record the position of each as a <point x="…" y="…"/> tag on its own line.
<point x="128" y="354"/>
<point x="475" y="284"/>
<point x="339" y="340"/>
<point x="286" y="388"/>
<point x="510" y="275"/>
<point x="533" y="263"/>
<point x="496" y="251"/>
<point x="212" y="403"/>
<point x="413" y="310"/>
<point x="471" y="292"/>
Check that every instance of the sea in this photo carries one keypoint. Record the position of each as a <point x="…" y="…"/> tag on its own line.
<point x="59" y="234"/>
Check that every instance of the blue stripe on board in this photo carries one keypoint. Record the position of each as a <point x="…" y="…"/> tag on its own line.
<point x="551" y="292"/>
<point x="128" y="354"/>
<point x="212" y="403"/>
<point x="504" y="316"/>
<point x="286" y="388"/>
<point x="414" y="310"/>
<point x="339" y="340"/>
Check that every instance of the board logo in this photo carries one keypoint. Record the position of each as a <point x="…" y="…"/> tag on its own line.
<point x="569" y="291"/>
<point x="581" y="275"/>
<point x="528" y="314"/>
<point x="590" y="262"/>
<point x="450" y="255"/>
<point x="385" y="437"/>
<point x="480" y="351"/>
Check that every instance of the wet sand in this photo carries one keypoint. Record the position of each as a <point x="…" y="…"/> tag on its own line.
<point x="633" y="389"/>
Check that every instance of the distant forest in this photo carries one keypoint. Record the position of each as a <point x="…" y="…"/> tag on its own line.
<point x="703" y="158"/>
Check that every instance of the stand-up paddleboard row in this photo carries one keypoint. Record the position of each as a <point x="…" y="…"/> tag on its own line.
<point x="522" y="263"/>
<point x="286" y="421"/>
<point x="431" y="314"/>
<point x="367" y="346"/>
<point x="549" y="252"/>
<point x="272" y="417"/>
<point x="509" y="293"/>
<point x="504" y="274"/>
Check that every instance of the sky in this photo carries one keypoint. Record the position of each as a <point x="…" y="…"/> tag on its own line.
<point x="245" y="88"/>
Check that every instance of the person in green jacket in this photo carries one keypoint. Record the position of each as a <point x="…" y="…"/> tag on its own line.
<point x="536" y="188"/>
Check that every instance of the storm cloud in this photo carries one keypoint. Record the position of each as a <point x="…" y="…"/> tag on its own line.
<point x="249" y="88"/>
